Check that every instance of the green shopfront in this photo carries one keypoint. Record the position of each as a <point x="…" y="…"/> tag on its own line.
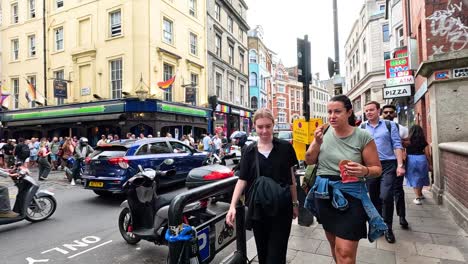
<point x="116" y="117"/>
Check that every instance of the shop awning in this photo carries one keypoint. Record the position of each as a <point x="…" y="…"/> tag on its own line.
<point x="63" y="120"/>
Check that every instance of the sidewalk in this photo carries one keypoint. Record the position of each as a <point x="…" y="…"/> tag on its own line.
<point x="433" y="237"/>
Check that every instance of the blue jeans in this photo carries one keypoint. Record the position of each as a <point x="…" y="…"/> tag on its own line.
<point x="357" y="190"/>
<point x="4" y="199"/>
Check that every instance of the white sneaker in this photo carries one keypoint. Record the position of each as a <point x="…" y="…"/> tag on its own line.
<point x="73" y="182"/>
<point x="417" y="201"/>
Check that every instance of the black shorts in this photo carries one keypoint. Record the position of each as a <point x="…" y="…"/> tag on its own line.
<point x="350" y="224"/>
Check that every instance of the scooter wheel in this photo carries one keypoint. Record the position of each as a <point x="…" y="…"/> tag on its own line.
<point x="125" y="220"/>
<point x="41" y="208"/>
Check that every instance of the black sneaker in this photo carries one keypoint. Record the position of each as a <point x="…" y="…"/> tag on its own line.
<point x="403" y="222"/>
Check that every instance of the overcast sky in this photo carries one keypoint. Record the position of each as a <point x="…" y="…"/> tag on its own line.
<point x="284" y="21"/>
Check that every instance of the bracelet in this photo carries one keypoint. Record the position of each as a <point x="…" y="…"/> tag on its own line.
<point x="368" y="171"/>
<point x="295" y="204"/>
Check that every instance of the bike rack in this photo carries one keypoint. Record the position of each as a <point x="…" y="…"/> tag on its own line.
<point x="186" y="252"/>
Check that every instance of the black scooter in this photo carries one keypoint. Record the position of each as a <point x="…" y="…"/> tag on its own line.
<point x="145" y="213"/>
<point x="31" y="203"/>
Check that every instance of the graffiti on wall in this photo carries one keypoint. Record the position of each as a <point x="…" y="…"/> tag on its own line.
<point x="449" y="24"/>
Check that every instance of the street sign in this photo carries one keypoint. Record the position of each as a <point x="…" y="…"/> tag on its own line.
<point x="303" y="135"/>
<point x="301" y="131"/>
<point x="60" y="88"/>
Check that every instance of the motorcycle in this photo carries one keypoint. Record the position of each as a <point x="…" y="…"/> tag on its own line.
<point x="69" y="169"/>
<point x="31" y="204"/>
<point x="144" y="214"/>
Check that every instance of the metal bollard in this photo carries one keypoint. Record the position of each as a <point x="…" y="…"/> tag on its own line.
<point x="305" y="217"/>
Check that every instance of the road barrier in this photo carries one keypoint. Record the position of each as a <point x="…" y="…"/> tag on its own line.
<point x="200" y="244"/>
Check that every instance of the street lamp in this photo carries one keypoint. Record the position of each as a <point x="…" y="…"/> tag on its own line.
<point x="143" y="90"/>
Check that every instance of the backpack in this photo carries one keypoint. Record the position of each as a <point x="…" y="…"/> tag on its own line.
<point x="387" y="123"/>
<point x="24" y="152"/>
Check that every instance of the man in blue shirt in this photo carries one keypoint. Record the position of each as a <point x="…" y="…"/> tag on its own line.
<point x="207" y="143"/>
<point x="390" y="152"/>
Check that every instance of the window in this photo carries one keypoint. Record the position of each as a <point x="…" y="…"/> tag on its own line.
<point x="241" y="61"/>
<point x="32" y="81"/>
<point x="230" y="24"/>
<point x="357" y="57"/>
<point x="252" y="56"/>
<point x="281" y="117"/>
<point x="241" y="91"/>
<point x="241" y="10"/>
<point x="231" y="54"/>
<point x="280" y="88"/>
<point x="59" y="75"/>
<point x="364" y="46"/>
<point x="59" y="39"/>
<point x="179" y="148"/>
<point x="59" y="3"/>
<point x="253" y="79"/>
<point x="14" y="13"/>
<point x="298" y="95"/>
<point x="367" y="96"/>
<point x="281" y="103"/>
<point x="386" y="55"/>
<point x="217" y="12"/>
<point x="365" y="68"/>
<point x="116" y="78"/>
<point x="32" y="8"/>
<point x="400" y="37"/>
<point x="193" y="44"/>
<point x="193" y="8"/>
<point x="219" y="84"/>
<point x="167" y="30"/>
<point x="14" y="49"/>
<point x="15" y="84"/>
<point x="218" y="45"/>
<point x="194" y="84"/>
<point x="298" y="107"/>
<point x="231" y="90"/>
<point x="115" y="19"/>
<point x="382" y="8"/>
<point x="386" y="33"/>
<point x="241" y="34"/>
<point x="32" y="46"/>
<point x="168" y="73"/>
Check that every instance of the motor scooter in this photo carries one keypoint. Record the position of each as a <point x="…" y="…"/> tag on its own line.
<point x="144" y="214"/>
<point x="31" y="203"/>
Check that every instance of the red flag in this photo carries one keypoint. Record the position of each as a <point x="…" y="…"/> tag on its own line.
<point x="166" y="84"/>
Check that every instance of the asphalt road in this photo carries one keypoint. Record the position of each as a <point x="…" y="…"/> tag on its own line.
<point x="82" y="230"/>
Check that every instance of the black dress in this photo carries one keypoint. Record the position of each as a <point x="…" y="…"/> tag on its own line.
<point x="354" y="228"/>
<point x="271" y="232"/>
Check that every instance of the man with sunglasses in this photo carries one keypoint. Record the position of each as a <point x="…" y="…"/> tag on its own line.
<point x="389" y="113"/>
<point x="389" y="148"/>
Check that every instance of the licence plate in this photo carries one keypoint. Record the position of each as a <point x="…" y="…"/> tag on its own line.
<point x="96" y="184"/>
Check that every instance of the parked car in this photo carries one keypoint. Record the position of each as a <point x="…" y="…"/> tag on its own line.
<point x="286" y="135"/>
<point x="111" y="165"/>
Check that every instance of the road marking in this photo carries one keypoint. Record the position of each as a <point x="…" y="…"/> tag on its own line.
<point x="72" y="256"/>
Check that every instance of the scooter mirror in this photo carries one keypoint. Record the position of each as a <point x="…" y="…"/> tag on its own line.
<point x="140" y="167"/>
<point x="168" y="161"/>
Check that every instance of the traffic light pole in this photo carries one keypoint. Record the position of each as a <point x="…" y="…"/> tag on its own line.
<point x="304" y="73"/>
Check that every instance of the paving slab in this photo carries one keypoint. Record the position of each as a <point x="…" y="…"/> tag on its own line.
<point x="439" y="251"/>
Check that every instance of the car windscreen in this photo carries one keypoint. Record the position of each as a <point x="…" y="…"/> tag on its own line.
<point x="109" y="152"/>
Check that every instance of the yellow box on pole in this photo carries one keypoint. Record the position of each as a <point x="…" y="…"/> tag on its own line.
<point x="303" y="135"/>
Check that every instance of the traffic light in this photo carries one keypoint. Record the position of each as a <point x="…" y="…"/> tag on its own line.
<point x="304" y="74"/>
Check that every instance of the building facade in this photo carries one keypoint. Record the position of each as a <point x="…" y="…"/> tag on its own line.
<point x="280" y="96"/>
<point x="319" y="96"/>
<point x="227" y="67"/>
<point x="295" y="94"/>
<point x="260" y="61"/>
<point x="366" y="49"/>
<point x="97" y="51"/>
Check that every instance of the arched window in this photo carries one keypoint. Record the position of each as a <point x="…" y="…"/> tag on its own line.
<point x="253" y="79"/>
<point x="252" y="56"/>
<point x="254" y="102"/>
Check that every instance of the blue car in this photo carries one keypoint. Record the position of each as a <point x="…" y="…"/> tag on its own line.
<point x="111" y="165"/>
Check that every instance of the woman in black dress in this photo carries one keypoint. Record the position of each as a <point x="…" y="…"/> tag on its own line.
<point x="276" y="159"/>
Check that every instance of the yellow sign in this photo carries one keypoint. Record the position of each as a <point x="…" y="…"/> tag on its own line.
<point x="301" y="131"/>
<point x="303" y="135"/>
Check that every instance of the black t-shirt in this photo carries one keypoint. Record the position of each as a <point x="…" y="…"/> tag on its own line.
<point x="8" y="149"/>
<point x="277" y="166"/>
<point x="416" y="149"/>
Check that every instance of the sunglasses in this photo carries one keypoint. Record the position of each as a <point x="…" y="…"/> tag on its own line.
<point x="388" y="112"/>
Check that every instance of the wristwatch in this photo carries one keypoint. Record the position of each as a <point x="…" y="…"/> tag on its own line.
<point x="295" y="204"/>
